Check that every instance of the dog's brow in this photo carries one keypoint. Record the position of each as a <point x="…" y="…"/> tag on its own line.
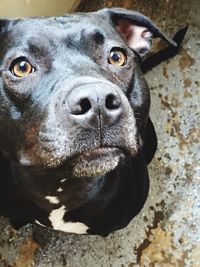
<point x="37" y="51"/>
<point x="98" y="37"/>
<point x="95" y="35"/>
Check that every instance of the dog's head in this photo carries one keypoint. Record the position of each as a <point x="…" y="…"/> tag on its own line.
<point x="71" y="90"/>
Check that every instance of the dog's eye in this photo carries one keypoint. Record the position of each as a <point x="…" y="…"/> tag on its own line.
<point x="21" y="67"/>
<point x="117" y="57"/>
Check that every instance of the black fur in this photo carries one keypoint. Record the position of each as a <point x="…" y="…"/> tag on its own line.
<point x="42" y="133"/>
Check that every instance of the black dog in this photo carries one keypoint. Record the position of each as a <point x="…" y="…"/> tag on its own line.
<point x="75" y="134"/>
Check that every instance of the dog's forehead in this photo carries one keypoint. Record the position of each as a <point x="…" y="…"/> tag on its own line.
<point x="60" y="27"/>
<point x="78" y="32"/>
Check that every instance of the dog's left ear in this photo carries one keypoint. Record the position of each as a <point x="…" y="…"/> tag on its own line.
<point x="136" y="29"/>
<point x="7" y="24"/>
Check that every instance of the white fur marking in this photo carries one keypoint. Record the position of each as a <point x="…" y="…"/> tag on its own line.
<point x="56" y="218"/>
<point x="52" y="200"/>
<point x="24" y="160"/>
<point x="60" y="189"/>
<point x="63" y="180"/>
<point x="36" y="221"/>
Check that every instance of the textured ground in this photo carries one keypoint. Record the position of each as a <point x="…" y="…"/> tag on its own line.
<point x="166" y="233"/>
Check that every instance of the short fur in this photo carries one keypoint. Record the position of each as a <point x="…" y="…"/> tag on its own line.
<point x="75" y="134"/>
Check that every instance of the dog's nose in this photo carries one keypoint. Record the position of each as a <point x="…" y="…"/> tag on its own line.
<point x="94" y="105"/>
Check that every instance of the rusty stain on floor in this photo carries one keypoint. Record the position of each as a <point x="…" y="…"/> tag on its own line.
<point x="160" y="250"/>
<point x="26" y="254"/>
<point x="186" y="60"/>
<point x="166" y="233"/>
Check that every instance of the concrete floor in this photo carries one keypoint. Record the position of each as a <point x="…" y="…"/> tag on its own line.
<point x="166" y="233"/>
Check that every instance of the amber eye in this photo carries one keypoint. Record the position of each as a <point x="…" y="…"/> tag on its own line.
<point x="117" y="57"/>
<point x="21" y="67"/>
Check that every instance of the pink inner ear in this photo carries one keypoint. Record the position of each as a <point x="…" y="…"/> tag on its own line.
<point x="138" y="37"/>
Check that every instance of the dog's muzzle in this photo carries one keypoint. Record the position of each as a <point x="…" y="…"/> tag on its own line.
<point x="94" y="105"/>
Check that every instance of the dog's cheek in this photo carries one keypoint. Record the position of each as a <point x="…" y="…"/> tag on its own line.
<point x="139" y="98"/>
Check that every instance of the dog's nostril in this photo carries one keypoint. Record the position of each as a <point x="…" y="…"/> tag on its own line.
<point x="82" y="107"/>
<point x="112" y="102"/>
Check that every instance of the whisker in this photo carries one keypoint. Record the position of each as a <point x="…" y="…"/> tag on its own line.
<point x="139" y="119"/>
<point x="84" y="180"/>
<point x="125" y="163"/>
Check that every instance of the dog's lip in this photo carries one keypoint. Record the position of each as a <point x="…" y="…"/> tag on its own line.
<point x="97" y="152"/>
<point x="95" y="162"/>
<point x="100" y="150"/>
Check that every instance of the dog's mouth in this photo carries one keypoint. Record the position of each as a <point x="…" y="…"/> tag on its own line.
<point x="95" y="162"/>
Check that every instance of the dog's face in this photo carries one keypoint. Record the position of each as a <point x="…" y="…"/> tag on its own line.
<point x="74" y="103"/>
<point x="71" y="90"/>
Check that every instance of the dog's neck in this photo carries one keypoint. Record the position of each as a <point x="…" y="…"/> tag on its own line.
<point x="50" y="187"/>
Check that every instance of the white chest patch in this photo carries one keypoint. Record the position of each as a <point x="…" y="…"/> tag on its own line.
<point x="52" y="199"/>
<point x="56" y="219"/>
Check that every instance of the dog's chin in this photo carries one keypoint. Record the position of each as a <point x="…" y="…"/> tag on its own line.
<point x="96" y="162"/>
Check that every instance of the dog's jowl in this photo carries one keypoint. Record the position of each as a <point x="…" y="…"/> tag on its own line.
<point x="75" y="134"/>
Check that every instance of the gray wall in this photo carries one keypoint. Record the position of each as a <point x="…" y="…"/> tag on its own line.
<point x="26" y="8"/>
